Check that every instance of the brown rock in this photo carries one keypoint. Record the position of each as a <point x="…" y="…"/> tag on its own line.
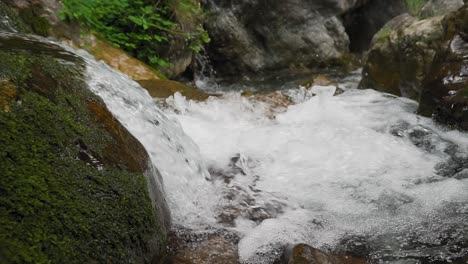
<point x="166" y="88"/>
<point x="123" y="143"/>
<point x="305" y="254"/>
<point x="322" y="80"/>
<point x="191" y="248"/>
<point x="401" y="55"/>
<point x="122" y="61"/>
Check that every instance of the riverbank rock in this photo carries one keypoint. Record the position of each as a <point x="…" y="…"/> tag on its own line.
<point x="253" y="36"/>
<point x="120" y="60"/>
<point x="401" y="55"/>
<point x="75" y="183"/>
<point x="305" y="254"/>
<point x="439" y="7"/>
<point x="402" y="52"/>
<point x="445" y="89"/>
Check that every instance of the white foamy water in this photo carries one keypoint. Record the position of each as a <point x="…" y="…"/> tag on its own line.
<point x="172" y="152"/>
<point x="360" y="164"/>
<point x="327" y="171"/>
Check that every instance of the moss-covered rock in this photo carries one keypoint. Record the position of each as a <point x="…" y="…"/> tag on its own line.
<point x="72" y="185"/>
<point x="10" y="21"/>
<point x="401" y="55"/>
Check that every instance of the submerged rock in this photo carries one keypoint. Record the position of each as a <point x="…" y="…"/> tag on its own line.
<point x="305" y="254"/>
<point x="190" y="247"/>
<point x="75" y="183"/>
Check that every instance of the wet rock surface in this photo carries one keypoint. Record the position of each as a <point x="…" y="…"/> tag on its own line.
<point x="74" y="180"/>
<point x="401" y="55"/>
<point x="305" y="254"/>
<point x="166" y="88"/>
<point x="189" y="247"/>
<point x="252" y="36"/>
<point x="439" y="7"/>
<point x="444" y="93"/>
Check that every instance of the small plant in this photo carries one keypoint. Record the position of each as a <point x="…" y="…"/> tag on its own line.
<point x="141" y="27"/>
<point x="414" y="6"/>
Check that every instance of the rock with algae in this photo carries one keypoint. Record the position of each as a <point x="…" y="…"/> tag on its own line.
<point x="73" y="187"/>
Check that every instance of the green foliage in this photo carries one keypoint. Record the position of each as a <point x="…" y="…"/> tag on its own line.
<point x="54" y="206"/>
<point x="141" y="27"/>
<point x="414" y="6"/>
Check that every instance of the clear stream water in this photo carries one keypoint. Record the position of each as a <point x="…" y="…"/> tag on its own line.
<point x="355" y="172"/>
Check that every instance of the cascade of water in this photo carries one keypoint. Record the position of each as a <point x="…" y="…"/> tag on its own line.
<point x="358" y="168"/>
<point x="204" y="75"/>
<point x="174" y="154"/>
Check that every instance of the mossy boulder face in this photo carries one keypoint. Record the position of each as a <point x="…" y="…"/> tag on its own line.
<point x="9" y="20"/>
<point x="401" y="55"/>
<point x="72" y="185"/>
<point x="445" y="88"/>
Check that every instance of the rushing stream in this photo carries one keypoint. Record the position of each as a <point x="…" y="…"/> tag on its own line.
<point x="358" y="172"/>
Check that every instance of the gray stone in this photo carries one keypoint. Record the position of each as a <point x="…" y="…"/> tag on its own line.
<point x="253" y="36"/>
<point x="439" y="7"/>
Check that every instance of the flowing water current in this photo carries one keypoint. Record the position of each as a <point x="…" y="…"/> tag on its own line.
<point x="358" y="172"/>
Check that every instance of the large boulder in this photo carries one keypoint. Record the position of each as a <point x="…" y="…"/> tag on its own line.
<point x="401" y="55"/>
<point x="439" y="7"/>
<point x="445" y="88"/>
<point x="76" y="186"/>
<point x="402" y="52"/>
<point x="254" y="36"/>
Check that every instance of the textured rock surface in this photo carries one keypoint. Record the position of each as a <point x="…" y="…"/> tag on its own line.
<point x="305" y="254"/>
<point x="73" y="185"/>
<point x="402" y="52"/>
<point x="187" y="247"/>
<point x="445" y="89"/>
<point x="121" y="61"/>
<point x="401" y="55"/>
<point x="252" y="36"/>
<point x="440" y="7"/>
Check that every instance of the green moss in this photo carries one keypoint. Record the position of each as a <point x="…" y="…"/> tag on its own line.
<point x="13" y="20"/>
<point x="59" y="202"/>
<point x="39" y="25"/>
<point x="414" y="6"/>
<point x="383" y="34"/>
